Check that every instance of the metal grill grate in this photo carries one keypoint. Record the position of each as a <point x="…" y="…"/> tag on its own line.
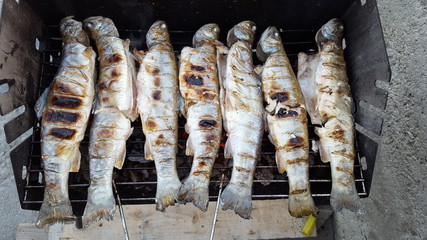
<point x="136" y="181"/>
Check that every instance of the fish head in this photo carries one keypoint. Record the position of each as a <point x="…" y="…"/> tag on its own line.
<point x="243" y="31"/>
<point x="158" y="33"/>
<point x="270" y="42"/>
<point x="332" y="31"/>
<point x="71" y="31"/>
<point x="99" y="26"/>
<point x="207" y="33"/>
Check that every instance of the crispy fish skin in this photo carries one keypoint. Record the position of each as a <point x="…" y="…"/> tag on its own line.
<point x="243" y="117"/>
<point x="115" y="80"/>
<point x="65" y="117"/>
<point x="286" y="121"/>
<point x="333" y="104"/>
<point x="198" y="81"/>
<point x="157" y="84"/>
<point x="111" y="124"/>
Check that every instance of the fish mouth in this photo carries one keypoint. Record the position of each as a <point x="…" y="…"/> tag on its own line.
<point x="243" y="31"/>
<point x="72" y="31"/>
<point x="333" y="30"/>
<point x="100" y="26"/>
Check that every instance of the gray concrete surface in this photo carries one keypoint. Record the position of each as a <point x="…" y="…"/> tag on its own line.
<point x="397" y="205"/>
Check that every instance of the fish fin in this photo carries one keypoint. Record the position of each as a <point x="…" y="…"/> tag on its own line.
<point x="195" y="190"/>
<point x="346" y="198"/>
<point x="100" y="204"/>
<point x="61" y="211"/>
<point x="181" y="105"/>
<point x="237" y="198"/>
<point x="258" y="70"/>
<point x="41" y="103"/>
<point x="302" y="204"/>
<point x="126" y="43"/>
<point x="228" y="151"/>
<point x="132" y="113"/>
<point x="222" y="53"/>
<point x="75" y="161"/>
<point x="167" y="192"/>
<point x="325" y="154"/>
<point x="315" y="145"/>
<point x="147" y="150"/>
<point x="281" y="157"/>
<point x="139" y="55"/>
<point x="189" y="151"/>
<point x="95" y="105"/>
<point x="120" y="160"/>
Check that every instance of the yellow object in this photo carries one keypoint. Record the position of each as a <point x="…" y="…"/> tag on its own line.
<point x="308" y="225"/>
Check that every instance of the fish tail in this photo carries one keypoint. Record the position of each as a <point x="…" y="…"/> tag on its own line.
<point x="346" y="198"/>
<point x="60" y="211"/>
<point x="100" y="204"/>
<point x="195" y="190"/>
<point x="301" y="205"/>
<point x="167" y="192"/>
<point x="237" y="198"/>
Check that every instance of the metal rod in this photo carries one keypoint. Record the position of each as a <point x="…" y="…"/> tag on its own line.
<point x="122" y="214"/>
<point x="216" y="208"/>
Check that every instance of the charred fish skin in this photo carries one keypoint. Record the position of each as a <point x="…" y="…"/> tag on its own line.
<point x="65" y="117"/>
<point x="198" y="81"/>
<point x="286" y="120"/>
<point x="157" y="84"/>
<point x="107" y="149"/>
<point x="244" y="119"/>
<point x="115" y="80"/>
<point x="334" y="107"/>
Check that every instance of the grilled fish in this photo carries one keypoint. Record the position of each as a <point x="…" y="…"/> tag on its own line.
<point x="114" y="112"/>
<point x="65" y="108"/>
<point x="116" y="79"/>
<point x="198" y="82"/>
<point x="243" y="118"/>
<point x="157" y="84"/>
<point x="333" y="104"/>
<point x="286" y="121"/>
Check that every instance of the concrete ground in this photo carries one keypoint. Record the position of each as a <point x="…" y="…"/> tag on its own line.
<point x="397" y="204"/>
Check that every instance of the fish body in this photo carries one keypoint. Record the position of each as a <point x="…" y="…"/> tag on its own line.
<point x="286" y="121"/>
<point x="333" y="104"/>
<point x="66" y="111"/>
<point x="198" y="82"/>
<point x="243" y="118"/>
<point x="116" y="73"/>
<point x="157" y="84"/>
<point x="111" y="123"/>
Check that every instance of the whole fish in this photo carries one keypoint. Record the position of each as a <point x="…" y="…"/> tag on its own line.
<point x="111" y="124"/>
<point x="333" y="104"/>
<point x="198" y="82"/>
<point x="158" y="92"/>
<point x="286" y="121"/>
<point x="243" y="118"/>
<point x="65" y="107"/>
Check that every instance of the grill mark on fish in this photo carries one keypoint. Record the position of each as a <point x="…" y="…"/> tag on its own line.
<point x="114" y="58"/>
<point x="197" y="68"/>
<point x="208" y="95"/>
<point x="296" y="142"/>
<point x="155" y="71"/>
<point x="115" y="73"/>
<point x="106" y="133"/>
<point x="299" y="191"/>
<point x="296" y="161"/>
<point x="151" y="125"/>
<point x="207" y="123"/>
<point x="166" y="160"/>
<point x="63" y="88"/>
<point x="280" y="96"/>
<point x="210" y="138"/>
<point x="204" y="173"/>
<point x="157" y="81"/>
<point x="62" y="133"/>
<point x="66" y="102"/>
<point x="60" y="116"/>
<point x="335" y="64"/>
<point x="191" y="79"/>
<point x="242" y="169"/>
<point x="284" y="113"/>
<point x="157" y="95"/>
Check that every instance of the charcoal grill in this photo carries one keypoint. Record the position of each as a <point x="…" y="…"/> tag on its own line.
<point x="33" y="27"/>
